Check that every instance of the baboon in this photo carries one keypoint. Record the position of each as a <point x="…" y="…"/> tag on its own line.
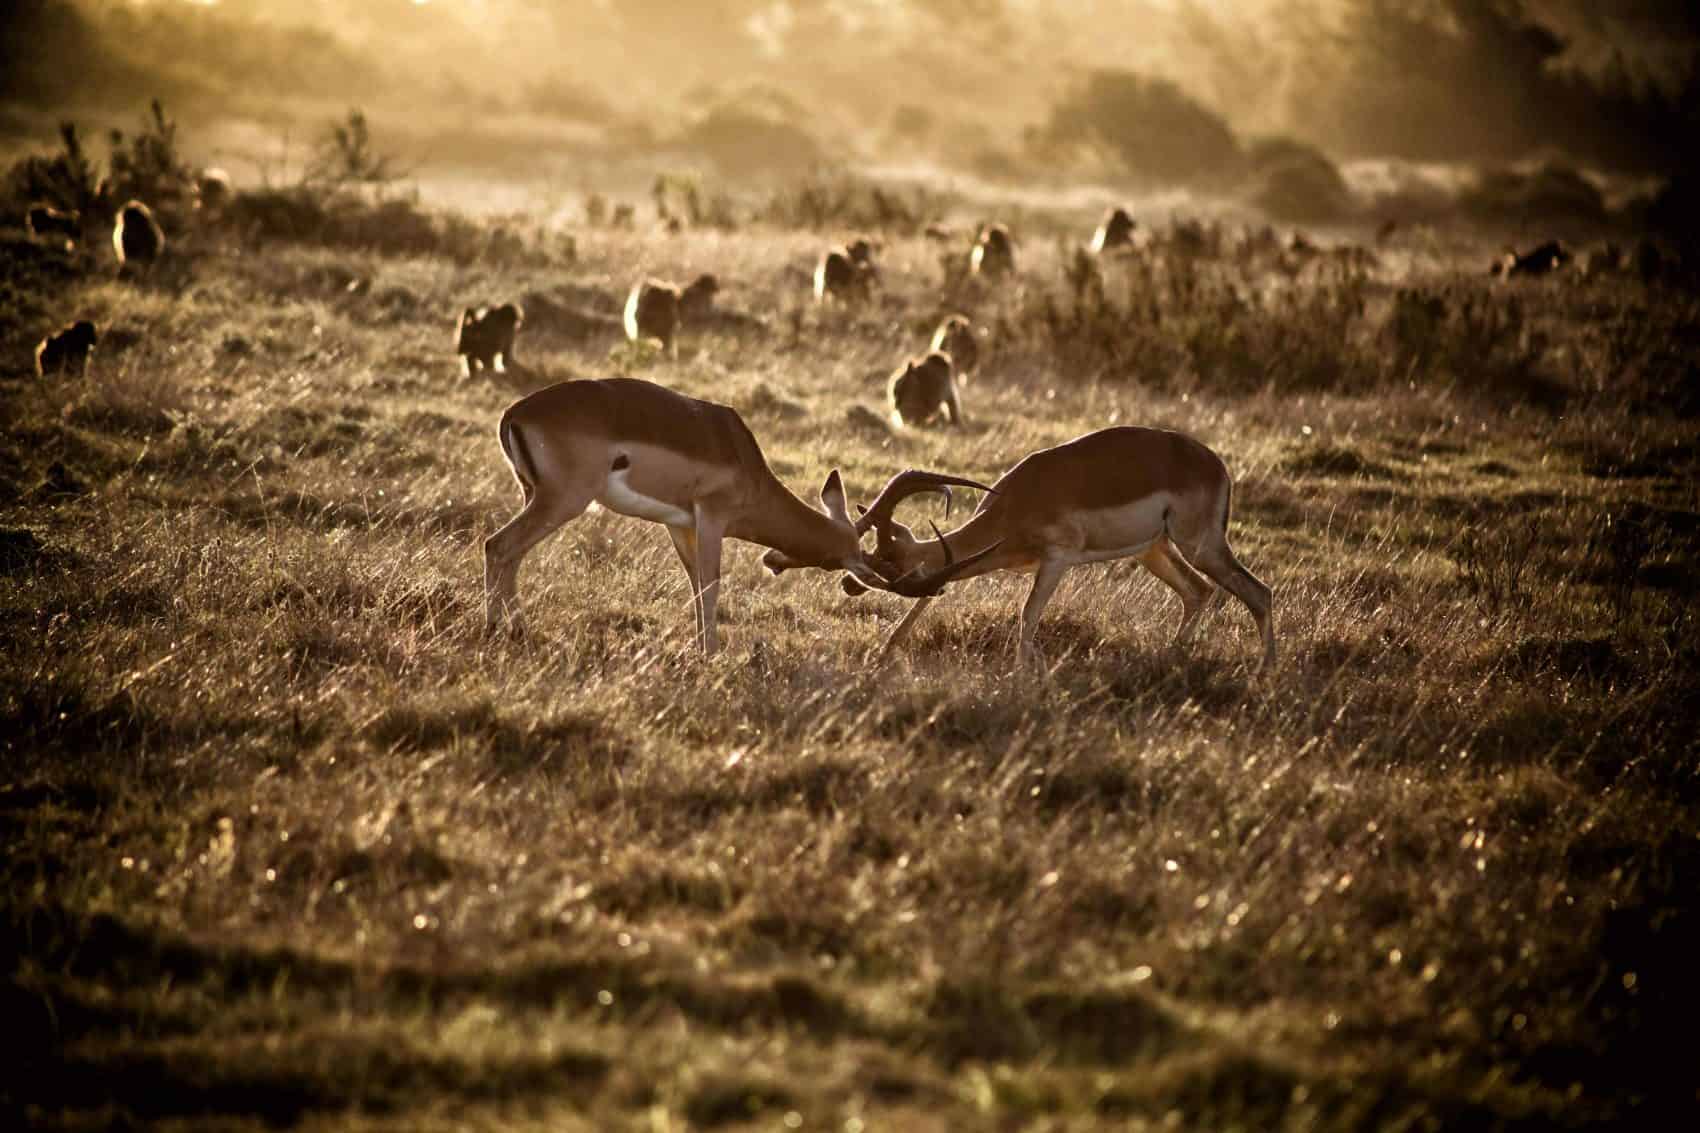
<point x="655" y="308"/>
<point x="955" y="337"/>
<point x="994" y="252"/>
<point x="68" y="349"/>
<point x="485" y="338"/>
<point x="213" y="191"/>
<point x="846" y="273"/>
<point x="1606" y="260"/>
<point x="1548" y="257"/>
<point x="44" y="220"/>
<point x="1115" y="231"/>
<point x="1649" y="261"/>
<point x="137" y="237"/>
<point x="922" y="387"/>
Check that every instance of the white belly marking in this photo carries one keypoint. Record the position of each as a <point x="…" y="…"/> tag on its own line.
<point x="619" y="496"/>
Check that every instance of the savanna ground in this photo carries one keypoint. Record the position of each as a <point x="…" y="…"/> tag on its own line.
<point x="289" y="841"/>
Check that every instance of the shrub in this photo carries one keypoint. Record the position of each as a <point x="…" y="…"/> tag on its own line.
<point x="745" y="141"/>
<point x="1151" y="127"/>
<point x="346" y="156"/>
<point x="1295" y="182"/>
<point x="1492" y="557"/>
<point x="147" y="164"/>
<point x="843" y="201"/>
<point x="1552" y="193"/>
<point x="65" y="180"/>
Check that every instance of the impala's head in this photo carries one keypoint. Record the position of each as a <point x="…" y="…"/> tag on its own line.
<point x="842" y="550"/>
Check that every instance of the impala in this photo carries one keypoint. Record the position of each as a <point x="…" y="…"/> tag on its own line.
<point x="642" y="450"/>
<point x="1150" y="494"/>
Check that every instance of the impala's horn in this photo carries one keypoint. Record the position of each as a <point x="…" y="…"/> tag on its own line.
<point x="920" y="583"/>
<point x="904" y="485"/>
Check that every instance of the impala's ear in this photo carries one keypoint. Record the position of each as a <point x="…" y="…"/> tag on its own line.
<point x="852" y="587"/>
<point x="832" y="497"/>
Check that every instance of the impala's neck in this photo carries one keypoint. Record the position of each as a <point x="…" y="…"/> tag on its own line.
<point x="776" y="518"/>
<point x="971" y="538"/>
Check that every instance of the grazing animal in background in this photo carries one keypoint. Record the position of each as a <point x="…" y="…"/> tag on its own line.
<point x="213" y="191"/>
<point x="45" y="220"/>
<point x="955" y="336"/>
<point x="137" y="237"/>
<point x="994" y="253"/>
<point x="485" y="337"/>
<point x="642" y="450"/>
<point x="1115" y="231"/>
<point x="1649" y="261"/>
<point x="1150" y="494"/>
<point x="939" y="232"/>
<point x="655" y="308"/>
<point x="1541" y="260"/>
<point x="922" y="387"/>
<point x="1606" y="260"/>
<point x="67" y="349"/>
<point x="846" y="273"/>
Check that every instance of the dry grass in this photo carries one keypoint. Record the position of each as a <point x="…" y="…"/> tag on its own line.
<point x="288" y="841"/>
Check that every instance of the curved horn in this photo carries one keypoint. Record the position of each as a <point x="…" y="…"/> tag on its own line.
<point x="925" y="584"/>
<point x="904" y="485"/>
<point x="919" y="583"/>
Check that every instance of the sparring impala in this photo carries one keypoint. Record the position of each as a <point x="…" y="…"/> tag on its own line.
<point x="642" y="450"/>
<point x="1150" y="494"/>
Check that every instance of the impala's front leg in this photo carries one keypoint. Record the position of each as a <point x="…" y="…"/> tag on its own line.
<point x="709" y="532"/>
<point x="902" y="630"/>
<point x="1045" y="581"/>
<point x="685" y="542"/>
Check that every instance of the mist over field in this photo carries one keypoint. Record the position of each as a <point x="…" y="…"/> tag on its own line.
<point x="1345" y="779"/>
<point x="1414" y="102"/>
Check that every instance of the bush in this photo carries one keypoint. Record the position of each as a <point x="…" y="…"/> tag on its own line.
<point x="346" y="156"/>
<point x="740" y="141"/>
<point x="1552" y="193"/>
<point x="65" y="180"/>
<point x="847" y="202"/>
<point x="395" y="226"/>
<point x="560" y="97"/>
<point x="1151" y="127"/>
<point x="1298" y="183"/>
<point x="147" y="165"/>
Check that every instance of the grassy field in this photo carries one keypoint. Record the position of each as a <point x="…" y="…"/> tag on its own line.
<point x="288" y="841"/>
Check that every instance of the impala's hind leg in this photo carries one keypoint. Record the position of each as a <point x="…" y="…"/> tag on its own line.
<point x="1216" y="559"/>
<point x="1197" y="595"/>
<point x="544" y="512"/>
